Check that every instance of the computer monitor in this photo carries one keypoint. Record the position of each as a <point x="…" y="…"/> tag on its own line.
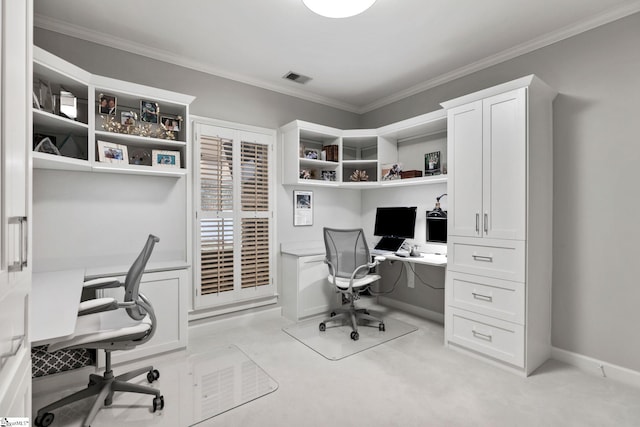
<point x="395" y="222"/>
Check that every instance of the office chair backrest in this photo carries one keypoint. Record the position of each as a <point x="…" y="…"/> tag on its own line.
<point x="346" y="251"/>
<point x="132" y="281"/>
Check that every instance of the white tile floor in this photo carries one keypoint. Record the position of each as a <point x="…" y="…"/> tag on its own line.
<point x="410" y="381"/>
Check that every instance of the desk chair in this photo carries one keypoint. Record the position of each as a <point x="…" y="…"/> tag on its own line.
<point x="108" y="325"/>
<point x="349" y="263"/>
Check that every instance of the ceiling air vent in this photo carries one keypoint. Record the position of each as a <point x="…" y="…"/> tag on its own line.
<point x="296" y="77"/>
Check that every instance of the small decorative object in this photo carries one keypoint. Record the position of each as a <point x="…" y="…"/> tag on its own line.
<point x="359" y="175"/>
<point x="140" y="129"/>
<point x="328" y="175"/>
<point x="432" y="163"/>
<point x="107" y="104"/>
<point x="332" y="153"/>
<point x="128" y="118"/>
<point x="410" y="174"/>
<point x="149" y="111"/>
<point x="45" y="96"/>
<point x="311" y="153"/>
<point x="302" y="208"/>
<point x="305" y="174"/>
<point x="391" y="171"/>
<point x="165" y="159"/>
<point x="68" y="104"/>
<point x="140" y="156"/>
<point x="109" y="152"/>
<point x="36" y="103"/>
<point x="171" y="123"/>
<point x="46" y="146"/>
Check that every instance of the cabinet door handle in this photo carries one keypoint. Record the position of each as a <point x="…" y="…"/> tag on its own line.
<point x="482" y="258"/>
<point x="480" y="335"/>
<point x="22" y="260"/>
<point x="482" y="297"/>
<point x="486" y="223"/>
<point x="477" y="223"/>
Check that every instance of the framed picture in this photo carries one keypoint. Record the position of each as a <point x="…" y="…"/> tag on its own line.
<point x="328" y="175"/>
<point x="149" y="111"/>
<point x="432" y="163"/>
<point x="391" y="171"/>
<point x="107" y="104"/>
<point x="311" y="153"/>
<point x="302" y="208"/>
<point x="128" y="118"/>
<point x="109" y="152"/>
<point x="165" y="159"/>
<point x="171" y="123"/>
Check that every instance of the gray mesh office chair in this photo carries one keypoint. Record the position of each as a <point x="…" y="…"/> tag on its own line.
<point x="349" y="263"/>
<point x="108" y="324"/>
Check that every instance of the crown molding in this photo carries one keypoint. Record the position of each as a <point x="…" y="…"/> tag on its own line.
<point x="606" y="17"/>
<point x="83" y="33"/>
<point x="126" y="45"/>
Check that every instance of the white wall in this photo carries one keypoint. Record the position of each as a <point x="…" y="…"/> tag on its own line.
<point x="596" y="291"/>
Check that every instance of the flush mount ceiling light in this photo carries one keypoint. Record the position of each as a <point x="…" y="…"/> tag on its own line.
<point x="338" y="8"/>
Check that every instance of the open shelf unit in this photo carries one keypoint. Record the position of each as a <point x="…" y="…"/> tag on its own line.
<point x="370" y="152"/>
<point x="77" y="139"/>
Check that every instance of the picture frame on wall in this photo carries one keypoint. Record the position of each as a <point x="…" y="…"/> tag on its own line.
<point x="302" y="208"/>
<point x="149" y="111"/>
<point x="108" y="152"/>
<point x="165" y="159"/>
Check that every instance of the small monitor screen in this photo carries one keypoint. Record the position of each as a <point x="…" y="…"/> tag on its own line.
<point x="395" y="222"/>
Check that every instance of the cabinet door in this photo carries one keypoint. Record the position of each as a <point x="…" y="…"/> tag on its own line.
<point x="504" y="165"/>
<point x="464" y="136"/>
<point x="315" y="295"/>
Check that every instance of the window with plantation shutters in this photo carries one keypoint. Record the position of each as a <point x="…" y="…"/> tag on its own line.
<point x="235" y="220"/>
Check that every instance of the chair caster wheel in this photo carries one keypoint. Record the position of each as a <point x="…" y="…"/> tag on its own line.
<point x="322" y="327"/>
<point x="355" y="335"/>
<point x="158" y="403"/>
<point x="381" y="327"/>
<point x="153" y="375"/>
<point x="44" y="420"/>
<point x="333" y="313"/>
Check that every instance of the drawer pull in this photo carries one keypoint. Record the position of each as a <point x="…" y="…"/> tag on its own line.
<point x="488" y="298"/>
<point x="482" y="258"/>
<point x="482" y="336"/>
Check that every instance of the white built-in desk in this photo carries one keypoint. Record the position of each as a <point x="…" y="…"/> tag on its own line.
<point x="54" y="304"/>
<point x="437" y="260"/>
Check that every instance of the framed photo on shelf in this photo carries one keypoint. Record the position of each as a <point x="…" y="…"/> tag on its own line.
<point x="128" y="118"/>
<point x="311" y="153"/>
<point x="107" y="104"/>
<point x="391" y="171"/>
<point x="328" y="175"/>
<point x="432" y="163"/>
<point x="302" y="208"/>
<point x="149" y="111"/>
<point x="165" y="159"/>
<point x="109" y="152"/>
<point x="171" y="123"/>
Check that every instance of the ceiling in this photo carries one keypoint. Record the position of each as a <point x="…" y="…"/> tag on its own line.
<point x="393" y="50"/>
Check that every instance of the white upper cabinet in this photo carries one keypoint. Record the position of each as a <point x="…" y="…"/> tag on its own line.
<point x="487" y="146"/>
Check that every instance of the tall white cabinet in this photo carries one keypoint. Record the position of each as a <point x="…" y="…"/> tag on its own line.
<point x="15" y="209"/>
<point x="498" y="290"/>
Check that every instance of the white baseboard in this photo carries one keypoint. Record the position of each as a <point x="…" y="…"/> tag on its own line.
<point x="418" y="311"/>
<point x="233" y="320"/>
<point x="597" y="367"/>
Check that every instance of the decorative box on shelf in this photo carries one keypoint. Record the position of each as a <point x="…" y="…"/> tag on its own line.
<point x="410" y="174"/>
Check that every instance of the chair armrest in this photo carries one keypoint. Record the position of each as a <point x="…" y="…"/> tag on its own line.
<point x="102" y="283"/>
<point x="97" y="305"/>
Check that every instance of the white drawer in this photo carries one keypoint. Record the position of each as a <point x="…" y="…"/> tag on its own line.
<point x="492" y="337"/>
<point x="502" y="259"/>
<point x="498" y="298"/>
